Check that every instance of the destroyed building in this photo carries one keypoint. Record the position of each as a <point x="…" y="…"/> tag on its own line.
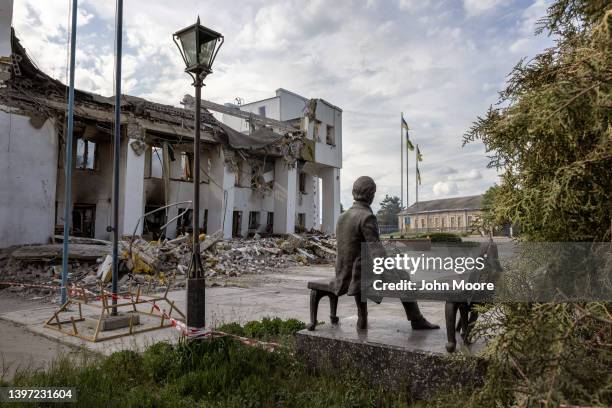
<point x="260" y="171"/>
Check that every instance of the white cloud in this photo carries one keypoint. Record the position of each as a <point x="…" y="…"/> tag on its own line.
<point x="473" y="174"/>
<point x="413" y="5"/>
<point x="476" y="7"/>
<point x="445" y="188"/>
<point x="374" y="59"/>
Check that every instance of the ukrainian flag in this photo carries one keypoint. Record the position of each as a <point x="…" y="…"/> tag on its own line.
<point x="409" y="144"/>
<point x="404" y="123"/>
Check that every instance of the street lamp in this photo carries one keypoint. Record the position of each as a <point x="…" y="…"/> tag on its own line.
<point x="198" y="46"/>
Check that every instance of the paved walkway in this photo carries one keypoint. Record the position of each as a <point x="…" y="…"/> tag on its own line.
<point x="20" y="348"/>
<point x="282" y="294"/>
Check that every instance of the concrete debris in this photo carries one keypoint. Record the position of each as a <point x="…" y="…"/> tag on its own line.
<point x="105" y="269"/>
<point x="165" y="262"/>
<point x="85" y="252"/>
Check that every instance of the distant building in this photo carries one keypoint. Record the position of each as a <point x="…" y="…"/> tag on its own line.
<point x="445" y="215"/>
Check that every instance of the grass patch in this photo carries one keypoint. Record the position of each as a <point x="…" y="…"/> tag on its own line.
<point x="218" y="372"/>
<point x="213" y="373"/>
<point x="276" y="329"/>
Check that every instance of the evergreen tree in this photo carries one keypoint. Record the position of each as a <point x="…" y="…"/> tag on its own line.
<point x="551" y="136"/>
<point x="389" y="209"/>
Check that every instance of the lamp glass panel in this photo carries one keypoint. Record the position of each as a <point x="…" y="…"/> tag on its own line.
<point x="188" y="42"/>
<point x="207" y="49"/>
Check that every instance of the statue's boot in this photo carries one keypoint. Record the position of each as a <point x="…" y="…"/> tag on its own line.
<point x="417" y="321"/>
<point x="362" y="313"/>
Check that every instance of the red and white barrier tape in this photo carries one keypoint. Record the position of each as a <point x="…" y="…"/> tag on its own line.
<point x="186" y="331"/>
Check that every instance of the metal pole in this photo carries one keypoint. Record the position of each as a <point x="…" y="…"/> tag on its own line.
<point x="68" y="166"/>
<point x="196" y="299"/>
<point x="407" y="174"/>
<point x="117" y="149"/>
<point x="196" y="179"/>
<point x="402" y="159"/>
<point x="417" y="179"/>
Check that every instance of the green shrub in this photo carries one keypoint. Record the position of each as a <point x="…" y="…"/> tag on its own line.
<point x="292" y="326"/>
<point x="440" y="236"/>
<point x="231" y="328"/>
<point x="266" y="329"/>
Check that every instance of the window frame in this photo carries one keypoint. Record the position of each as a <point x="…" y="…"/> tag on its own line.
<point x="84" y="166"/>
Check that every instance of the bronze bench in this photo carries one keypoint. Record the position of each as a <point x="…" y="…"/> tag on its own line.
<point x="318" y="290"/>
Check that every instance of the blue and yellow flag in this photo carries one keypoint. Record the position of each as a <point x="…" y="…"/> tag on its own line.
<point x="418" y="154"/>
<point x="409" y="144"/>
<point x="404" y="123"/>
<point x="418" y="176"/>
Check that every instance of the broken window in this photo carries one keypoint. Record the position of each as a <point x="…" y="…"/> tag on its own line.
<point x="316" y="129"/>
<point x="236" y="223"/>
<point x="183" y="223"/>
<point x="253" y="220"/>
<point x="301" y="222"/>
<point x="262" y="111"/>
<point x="330" y="136"/>
<point x="270" y="222"/>
<point x="83" y="220"/>
<point x="302" y="183"/>
<point x="205" y="222"/>
<point x="186" y="166"/>
<point x="157" y="162"/>
<point x="153" y="222"/>
<point x="85" y="155"/>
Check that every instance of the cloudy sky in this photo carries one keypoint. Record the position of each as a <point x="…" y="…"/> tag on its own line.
<point x="440" y="62"/>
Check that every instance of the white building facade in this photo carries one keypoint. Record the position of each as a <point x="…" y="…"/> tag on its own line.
<point x="313" y="185"/>
<point x="274" y="189"/>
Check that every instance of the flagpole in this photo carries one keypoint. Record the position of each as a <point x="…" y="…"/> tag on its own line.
<point x="407" y="173"/>
<point x="68" y="167"/>
<point x="418" y="177"/>
<point x="402" y="161"/>
<point x="117" y="152"/>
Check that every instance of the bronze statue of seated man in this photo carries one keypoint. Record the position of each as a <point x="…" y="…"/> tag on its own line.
<point x="355" y="226"/>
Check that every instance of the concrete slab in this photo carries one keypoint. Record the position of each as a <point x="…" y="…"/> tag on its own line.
<point x="392" y="332"/>
<point x="392" y="355"/>
<point x="34" y="319"/>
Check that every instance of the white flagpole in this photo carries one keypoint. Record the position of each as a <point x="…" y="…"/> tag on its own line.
<point x="418" y="177"/>
<point x="402" y="161"/>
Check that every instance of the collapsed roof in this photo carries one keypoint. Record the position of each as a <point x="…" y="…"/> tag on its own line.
<point x="36" y="94"/>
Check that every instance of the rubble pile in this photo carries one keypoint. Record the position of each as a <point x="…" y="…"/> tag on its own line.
<point x="160" y="263"/>
<point x="260" y="255"/>
<point x="226" y="258"/>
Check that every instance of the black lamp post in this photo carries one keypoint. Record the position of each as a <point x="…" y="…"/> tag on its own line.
<point x="198" y="46"/>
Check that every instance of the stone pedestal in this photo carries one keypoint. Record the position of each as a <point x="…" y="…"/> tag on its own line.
<point x="120" y="321"/>
<point x="390" y="354"/>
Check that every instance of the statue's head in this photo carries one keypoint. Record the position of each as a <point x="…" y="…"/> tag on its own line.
<point x="364" y="189"/>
